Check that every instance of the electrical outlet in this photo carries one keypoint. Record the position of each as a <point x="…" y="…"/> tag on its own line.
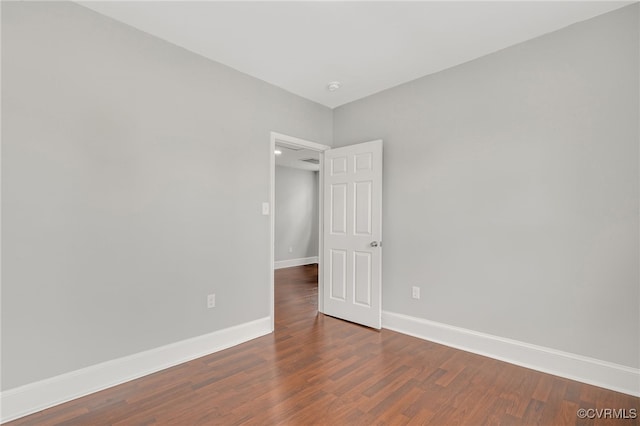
<point x="415" y="292"/>
<point x="211" y="301"/>
<point x="290" y="249"/>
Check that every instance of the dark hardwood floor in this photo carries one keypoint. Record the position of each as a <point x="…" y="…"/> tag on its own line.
<point x="319" y="370"/>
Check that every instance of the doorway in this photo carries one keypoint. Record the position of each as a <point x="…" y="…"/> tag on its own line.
<point x="294" y="144"/>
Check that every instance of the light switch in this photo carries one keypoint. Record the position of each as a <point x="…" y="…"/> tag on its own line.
<point x="265" y="209"/>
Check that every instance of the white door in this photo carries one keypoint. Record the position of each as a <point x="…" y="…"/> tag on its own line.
<point x="352" y="252"/>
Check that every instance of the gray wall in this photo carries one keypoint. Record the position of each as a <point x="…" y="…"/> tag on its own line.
<point x="133" y="173"/>
<point x="511" y="190"/>
<point x="296" y="213"/>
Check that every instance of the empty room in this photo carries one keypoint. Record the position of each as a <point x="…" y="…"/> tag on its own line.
<point x="329" y="212"/>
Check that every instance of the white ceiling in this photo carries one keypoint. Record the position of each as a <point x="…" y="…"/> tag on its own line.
<point x="291" y="156"/>
<point x="368" y="46"/>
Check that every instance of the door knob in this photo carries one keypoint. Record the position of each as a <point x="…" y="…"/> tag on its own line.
<point x="374" y="244"/>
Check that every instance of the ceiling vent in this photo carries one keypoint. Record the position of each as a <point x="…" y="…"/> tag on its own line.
<point x="312" y="160"/>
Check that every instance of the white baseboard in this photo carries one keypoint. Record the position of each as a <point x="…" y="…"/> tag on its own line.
<point x="295" y="262"/>
<point x="604" y="374"/>
<point x="28" y="399"/>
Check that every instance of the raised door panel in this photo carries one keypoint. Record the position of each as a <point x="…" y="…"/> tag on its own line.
<point x="362" y="211"/>
<point x="338" y="275"/>
<point x="338" y="209"/>
<point x="362" y="278"/>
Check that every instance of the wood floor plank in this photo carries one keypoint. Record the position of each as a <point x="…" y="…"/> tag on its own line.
<point x="316" y="369"/>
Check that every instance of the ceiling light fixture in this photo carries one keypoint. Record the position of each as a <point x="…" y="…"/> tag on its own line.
<point x="333" y="86"/>
<point x="277" y="152"/>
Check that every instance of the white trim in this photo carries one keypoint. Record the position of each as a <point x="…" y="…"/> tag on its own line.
<point x="321" y="234"/>
<point x="28" y="399"/>
<point x="295" y="262"/>
<point x="297" y="142"/>
<point x="593" y="371"/>
<point x="314" y="146"/>
<point x="272" y="228"/>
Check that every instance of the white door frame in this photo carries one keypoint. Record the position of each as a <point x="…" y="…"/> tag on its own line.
<point x="313" y="146"/>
